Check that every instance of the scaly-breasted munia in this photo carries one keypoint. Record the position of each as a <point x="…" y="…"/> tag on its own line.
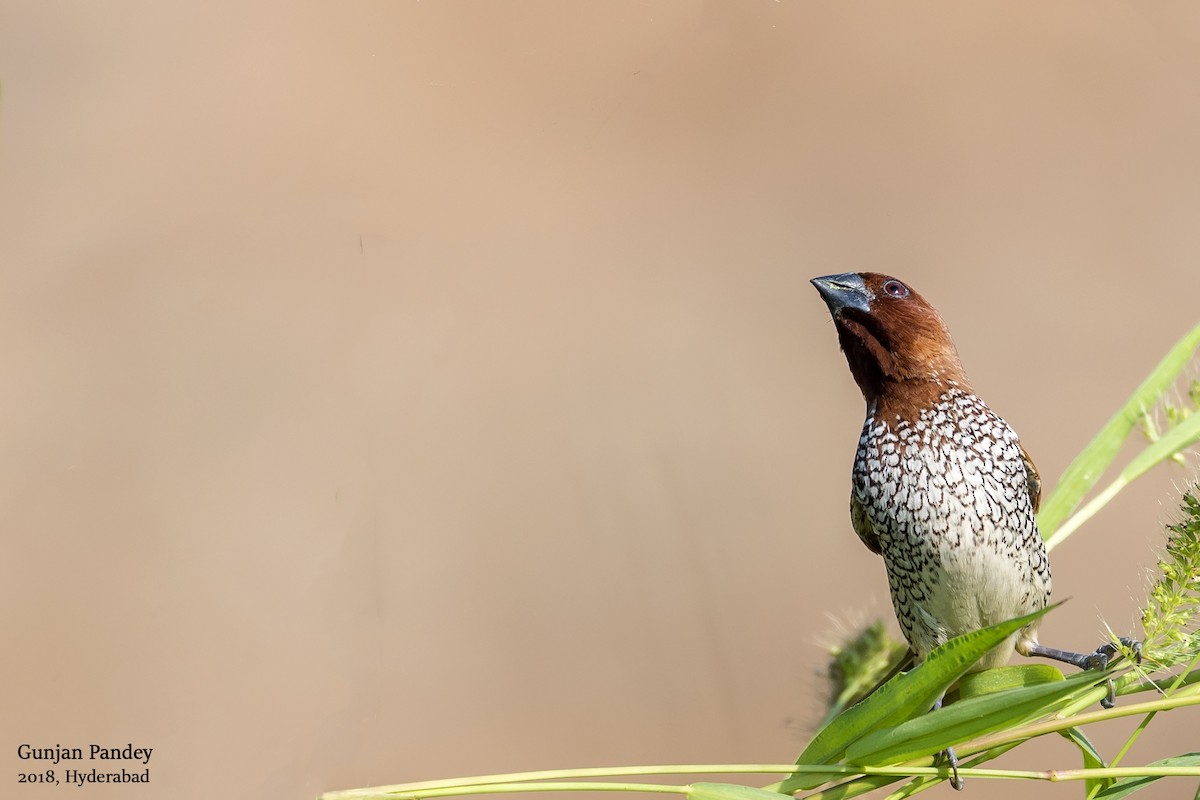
<point x="941" y="486"/>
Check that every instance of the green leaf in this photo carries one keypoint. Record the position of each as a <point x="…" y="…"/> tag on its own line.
<point x="1091" y="756"/>
<point x="903" y="697"/>
<point x="856" y="787"/>
<point x="1183" y="435"/>
<point x="1088" y="466"/>
<point x="1001" y="678"/>
<point x="1174" y="441"/>
<point x="966" y="719"/>
<point x="728" y="791"/>
<point x="1127" y="786"/>
<point x="1091" y="760"/>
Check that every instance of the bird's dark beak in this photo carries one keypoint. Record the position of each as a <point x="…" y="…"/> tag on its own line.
<point x="844" y="291"/>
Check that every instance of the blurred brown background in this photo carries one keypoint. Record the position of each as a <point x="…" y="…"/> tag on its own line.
<point x="408" y="390"/>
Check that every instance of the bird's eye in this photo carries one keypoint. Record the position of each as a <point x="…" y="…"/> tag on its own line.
<point x="896" y="289"/>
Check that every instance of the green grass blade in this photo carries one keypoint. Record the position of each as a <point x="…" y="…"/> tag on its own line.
<point x="1088" y="466"/>
<point x="727" y="791"/>
<point x="1091" y="760"/>
<point x="903" y="697"/>
<point x="967" y="719"/>
<point x="1179" y="438"/>
<point x="1127" y="786"/>
<point x="854" y="788"/>
<point x="1000" y="678"/>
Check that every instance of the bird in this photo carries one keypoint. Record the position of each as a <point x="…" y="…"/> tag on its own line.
<point x="941" y="487"/>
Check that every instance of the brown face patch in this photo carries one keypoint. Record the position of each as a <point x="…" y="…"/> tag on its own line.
<point x="899" y="350"/>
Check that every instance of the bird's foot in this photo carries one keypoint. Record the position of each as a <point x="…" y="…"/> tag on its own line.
<point x="948" y="757"/>
<point x="1109" y="652"/>
<point x="1104" y="655"/>
<point x="951" y="760"/>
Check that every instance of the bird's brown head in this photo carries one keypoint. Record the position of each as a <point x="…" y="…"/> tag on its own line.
<point x="896" y="343"/>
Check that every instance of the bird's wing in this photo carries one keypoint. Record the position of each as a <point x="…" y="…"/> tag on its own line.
<point x="1033" y="480"/>
<point x="862" y="524"/>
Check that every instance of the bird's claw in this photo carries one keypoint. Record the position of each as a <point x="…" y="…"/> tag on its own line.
<point x="1109" y="652"/>
<point x="951" y="760"/>
<point x="1100" y="660"/>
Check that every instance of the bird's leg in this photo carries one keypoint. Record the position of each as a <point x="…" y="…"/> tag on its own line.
<point x="1099" y="660"/>
<point x="952" y="762"/>
<point x="950" y="758"/>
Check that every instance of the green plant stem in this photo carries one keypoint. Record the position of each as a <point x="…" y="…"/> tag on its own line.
<point x="942" y="772"/>
<point x="919" y="785"/>
<point x="542" y="781"/>
<point x="538" y="781"/>
<point x="1053" y="775"/>
<point x="1188" y="678"/>
<point x="1137" y="732"/>
<point x="852" y="788"/>
<point x="1179" y="438"/>
<point x="1089" y="465"/>
<point x="546" y="786"/>
<point x="563" y="774"/>
<point x="1057" y="775"/>
<point x="1133" y="737"/>
<point x="1188" y="697"/>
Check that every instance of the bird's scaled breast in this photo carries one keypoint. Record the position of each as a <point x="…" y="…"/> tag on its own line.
<point x="948" y="499"/>
<point x="954" y="476"/>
